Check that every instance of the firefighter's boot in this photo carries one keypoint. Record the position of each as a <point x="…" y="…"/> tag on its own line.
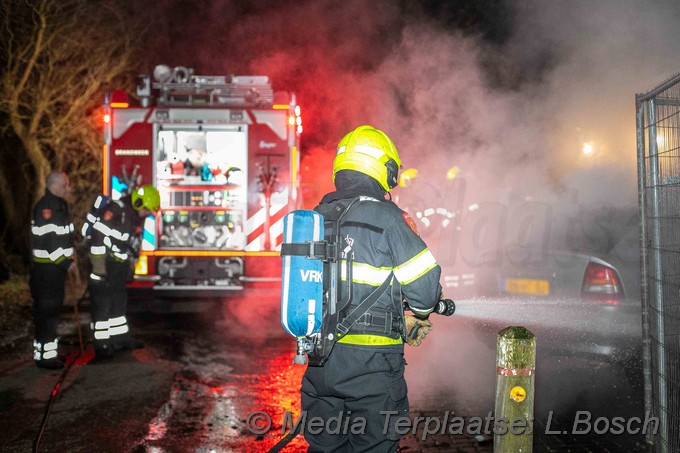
<point x="46" y="356"/>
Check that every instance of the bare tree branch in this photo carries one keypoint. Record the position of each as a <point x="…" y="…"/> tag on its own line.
<point x="56" y="59"/>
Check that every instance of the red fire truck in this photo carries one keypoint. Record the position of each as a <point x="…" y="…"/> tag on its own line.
<point x="224" y="155"/>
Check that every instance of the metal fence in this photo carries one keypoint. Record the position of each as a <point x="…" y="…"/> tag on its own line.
<point x="658" y="144"/>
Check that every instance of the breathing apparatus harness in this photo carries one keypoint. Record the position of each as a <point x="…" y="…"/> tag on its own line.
<point x="337" y="319"/>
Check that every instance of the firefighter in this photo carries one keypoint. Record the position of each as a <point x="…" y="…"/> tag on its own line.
<point x="52" y="250"/>
<point x="364" y="373"/>
<point x="112" y="253"/>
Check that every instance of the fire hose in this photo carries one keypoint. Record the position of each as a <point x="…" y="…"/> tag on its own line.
<point x="70" y="360"/>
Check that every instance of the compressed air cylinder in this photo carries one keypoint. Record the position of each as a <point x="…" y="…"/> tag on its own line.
<point x="302" y="277"/>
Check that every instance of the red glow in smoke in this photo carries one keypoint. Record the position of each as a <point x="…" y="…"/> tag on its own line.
<point x="316" y="173"/>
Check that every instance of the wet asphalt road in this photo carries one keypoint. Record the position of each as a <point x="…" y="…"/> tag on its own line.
<point x="200" y="377"/>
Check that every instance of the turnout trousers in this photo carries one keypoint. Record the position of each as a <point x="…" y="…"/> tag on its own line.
<point x="365" y="387"/>
<point x="46" y="283"/>
<point x="109" y="306"/>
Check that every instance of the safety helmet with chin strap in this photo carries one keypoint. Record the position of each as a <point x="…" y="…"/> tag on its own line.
<point x="146" y="197"/>
<point x="369" y="151"/>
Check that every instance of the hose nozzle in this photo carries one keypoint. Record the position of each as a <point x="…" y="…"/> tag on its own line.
<point x="445" y="307"/>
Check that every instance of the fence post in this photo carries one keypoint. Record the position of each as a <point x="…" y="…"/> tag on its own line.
<point x="514" y="410"/>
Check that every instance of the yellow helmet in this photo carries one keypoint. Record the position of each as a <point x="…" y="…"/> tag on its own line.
<point x="407" y="177"/>
<point x="371" y="152"/>
<point x="146" y="197"/>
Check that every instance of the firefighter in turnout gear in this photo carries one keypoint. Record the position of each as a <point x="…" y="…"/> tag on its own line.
<point x="364" y="373"/>
<point x="52" y="250"/>
<point x="111" y="257"/>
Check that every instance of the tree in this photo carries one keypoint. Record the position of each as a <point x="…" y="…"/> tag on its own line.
<point x="56" y="59"/>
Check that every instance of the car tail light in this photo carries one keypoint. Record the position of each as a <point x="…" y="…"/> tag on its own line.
<point x="602" y="284"/>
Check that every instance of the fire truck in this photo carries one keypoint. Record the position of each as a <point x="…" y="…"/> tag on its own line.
<point x="223" y="152"/>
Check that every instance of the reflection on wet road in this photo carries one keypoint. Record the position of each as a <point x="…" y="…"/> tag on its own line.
<point x="229" y="371"/>
<point x="243" y="366"/>
<point x="224" y="382"/>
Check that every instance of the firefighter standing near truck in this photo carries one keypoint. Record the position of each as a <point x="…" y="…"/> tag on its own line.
<point x="364" y="374"/>
<point x="112" y="253"/>
<point x="52" y="257"/>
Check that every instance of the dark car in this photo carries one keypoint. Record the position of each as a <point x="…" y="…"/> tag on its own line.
<point x="566" y="271"/>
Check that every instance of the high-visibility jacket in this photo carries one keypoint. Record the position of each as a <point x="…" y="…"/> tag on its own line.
<point x="112" y="232"/>
<point x="384" y="240"/>
<point x="52" y="231"/>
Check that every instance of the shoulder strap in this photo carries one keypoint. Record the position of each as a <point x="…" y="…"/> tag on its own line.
<point x="322" y="250"/>
<point x="335" y="306"/>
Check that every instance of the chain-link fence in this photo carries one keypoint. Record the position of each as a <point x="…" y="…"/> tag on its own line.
<point x="658" y="143"/>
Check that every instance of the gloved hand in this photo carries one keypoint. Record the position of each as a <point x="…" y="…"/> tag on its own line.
<point x="424" y="326"/>
<point x="134" y="245"/>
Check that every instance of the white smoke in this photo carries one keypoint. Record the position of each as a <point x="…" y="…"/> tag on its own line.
<point x="512" y="116"/>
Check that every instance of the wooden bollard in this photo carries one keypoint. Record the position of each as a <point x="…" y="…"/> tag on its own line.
<point x="514" y="411"/>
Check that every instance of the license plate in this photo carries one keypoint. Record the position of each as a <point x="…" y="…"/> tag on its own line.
<point x="527" y="286"/>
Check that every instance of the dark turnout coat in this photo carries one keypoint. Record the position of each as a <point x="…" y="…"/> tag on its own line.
<point x="383" y="239"/>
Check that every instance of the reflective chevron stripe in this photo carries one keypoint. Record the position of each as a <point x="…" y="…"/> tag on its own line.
<point x="369" y="340"/>
<point x="406" y="273"/>
<point x="118" y="326"/>
<point x="56" y="256"/>
<point x="101" y="330"/>
<point x="415" y="267"/>
<point x="98" y="250"/>
<point x="106" y="231"/>
<point x="45" y="351"/>
<point x="365" y="273"/>
<point x="52" y="228"/>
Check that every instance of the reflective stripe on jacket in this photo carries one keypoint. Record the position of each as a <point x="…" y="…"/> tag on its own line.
<point x="112" y="231"/>
<point x="381" y="240"/>
<point x="51" y="231"/>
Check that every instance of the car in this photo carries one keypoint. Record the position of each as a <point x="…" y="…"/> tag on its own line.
<point x="568" y="272"/>
<point x="546" y="273"/>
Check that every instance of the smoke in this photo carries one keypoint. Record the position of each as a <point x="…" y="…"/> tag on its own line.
<point x="512" y="114"/>
<point x="601" y="53"/>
